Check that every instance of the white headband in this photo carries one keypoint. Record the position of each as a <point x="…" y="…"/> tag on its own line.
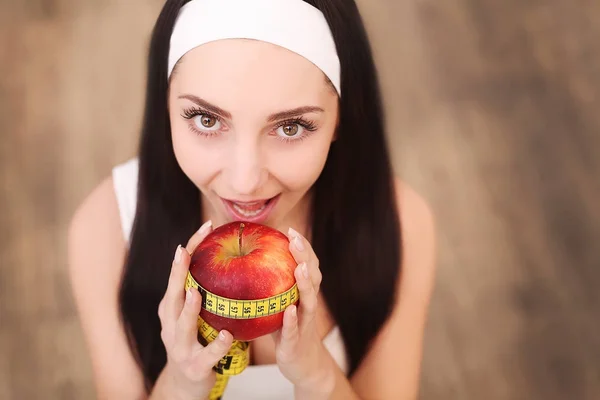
<point x="292" y="24"/>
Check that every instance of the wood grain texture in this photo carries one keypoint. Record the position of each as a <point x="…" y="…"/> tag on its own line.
<point x="492" y="112"/>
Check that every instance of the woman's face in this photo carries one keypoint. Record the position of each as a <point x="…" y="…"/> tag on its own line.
<point x="251" y="124"/>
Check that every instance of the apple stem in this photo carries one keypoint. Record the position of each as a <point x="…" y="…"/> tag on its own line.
<point x="240" y="235"/>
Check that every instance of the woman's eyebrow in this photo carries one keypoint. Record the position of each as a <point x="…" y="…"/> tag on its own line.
<point x="205" y="104"/>
<point x="293" y="112"/>
<point x="273" y="117"/>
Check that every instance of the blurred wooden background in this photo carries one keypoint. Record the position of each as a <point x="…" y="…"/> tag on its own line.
<point x="493" y="114"/>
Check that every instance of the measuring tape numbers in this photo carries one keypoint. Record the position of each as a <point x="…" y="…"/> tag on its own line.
<point x="237" y="358"/>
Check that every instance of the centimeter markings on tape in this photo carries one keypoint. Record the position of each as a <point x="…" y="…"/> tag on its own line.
<point x="219" y="388"/>
<point x="238" y="356"/>
<point x="236" y="359"/>
<point x="243" y="309"/>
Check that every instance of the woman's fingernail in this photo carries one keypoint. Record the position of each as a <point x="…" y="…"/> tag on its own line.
<point x="221" y="336"/>
<point x="298" y="243"/>
<point x="294" y="312"/>
<point x="188" y="296"/>
<point x="178" y="254"/>
<point x="304" y="269"/>
<point x="205" y="227"/>
<point x="297" y="239"/>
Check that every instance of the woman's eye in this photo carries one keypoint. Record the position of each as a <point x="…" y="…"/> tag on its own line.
<point x="207" y="122"/>
<point x="289" y="130"/>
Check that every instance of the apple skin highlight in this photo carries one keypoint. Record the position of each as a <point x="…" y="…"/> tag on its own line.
<point x="260" y="268"/>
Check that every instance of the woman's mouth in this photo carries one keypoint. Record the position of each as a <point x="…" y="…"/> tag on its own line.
<point x="252" y="211"/>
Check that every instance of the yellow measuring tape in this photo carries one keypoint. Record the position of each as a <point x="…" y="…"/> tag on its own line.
<point x="237" y="358"/>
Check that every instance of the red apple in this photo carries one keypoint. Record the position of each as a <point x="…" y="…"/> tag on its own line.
<point x="244" y="261"/>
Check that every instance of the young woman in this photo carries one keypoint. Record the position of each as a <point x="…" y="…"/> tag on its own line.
<point x="266" y="111"/>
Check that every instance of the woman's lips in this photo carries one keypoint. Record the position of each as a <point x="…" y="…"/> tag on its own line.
<point x="251" y="211"/>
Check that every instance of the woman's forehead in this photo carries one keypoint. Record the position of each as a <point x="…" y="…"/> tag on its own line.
<point x="249" y="69"/>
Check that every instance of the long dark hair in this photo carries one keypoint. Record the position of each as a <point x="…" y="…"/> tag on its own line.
<point x="355" y="224"/>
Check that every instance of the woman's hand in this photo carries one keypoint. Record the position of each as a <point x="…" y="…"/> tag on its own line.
<point x="188" y="373"/>
<point x="301" y="356"/>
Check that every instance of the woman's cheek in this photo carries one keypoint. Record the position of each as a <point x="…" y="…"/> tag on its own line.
<point x="299" y="169"/>
<point x="198" y="156"/>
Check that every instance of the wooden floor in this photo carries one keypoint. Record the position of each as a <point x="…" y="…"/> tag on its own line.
<point x="493" y="113"/>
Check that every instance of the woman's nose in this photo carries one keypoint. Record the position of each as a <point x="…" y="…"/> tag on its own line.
<point x="247" y="173"/>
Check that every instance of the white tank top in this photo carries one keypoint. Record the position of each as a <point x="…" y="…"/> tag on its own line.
<point x="256" y="382"/>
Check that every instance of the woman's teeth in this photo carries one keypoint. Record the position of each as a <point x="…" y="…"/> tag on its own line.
<point x="249" y="213"/>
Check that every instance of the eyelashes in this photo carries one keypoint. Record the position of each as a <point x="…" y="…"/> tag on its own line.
<point x="190" y="113"/>
<point x="305" y="126"/>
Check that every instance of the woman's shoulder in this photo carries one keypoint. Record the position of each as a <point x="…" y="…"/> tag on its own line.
<point x="96" y="247"/>
<point x="400" y="341"/>
<point x="412" y="203"/>
<point x="100" y="226"/>
<point x="96" y="221"/>
<point x="415" y="212"/>
<point x="108" y="209"/>
<point x="96" y="254"/>
<point x="418" y="227"/>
